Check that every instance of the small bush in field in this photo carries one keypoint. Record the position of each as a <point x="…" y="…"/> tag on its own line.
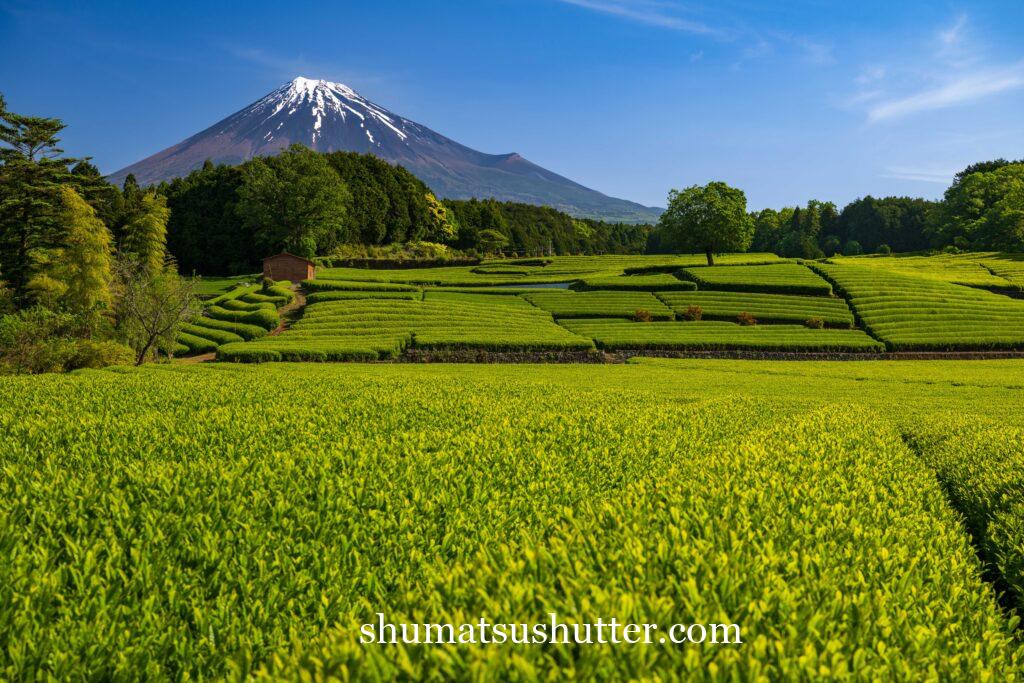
<point x="745" y="318"/>
<point x="814" y="323"/>
<point x="642" y="316"/>
<point x="693" y="312"/>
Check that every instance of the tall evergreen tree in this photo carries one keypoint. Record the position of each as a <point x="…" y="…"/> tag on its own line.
<point x="32" y="170"/>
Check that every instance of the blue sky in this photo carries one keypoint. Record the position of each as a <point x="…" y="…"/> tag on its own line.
<point x="789" y="101"/>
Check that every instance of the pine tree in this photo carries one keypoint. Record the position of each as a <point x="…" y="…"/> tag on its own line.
<point x="145" y="235"/>
<point x="32" y="170"/>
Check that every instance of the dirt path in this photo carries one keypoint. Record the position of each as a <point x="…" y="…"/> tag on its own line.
<point x="290" y="312"/>
<point x="201" y="358"/>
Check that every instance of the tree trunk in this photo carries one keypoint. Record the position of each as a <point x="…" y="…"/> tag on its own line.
<point x="711" y="257"/>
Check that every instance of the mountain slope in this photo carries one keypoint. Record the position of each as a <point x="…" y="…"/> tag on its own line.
<point x="331" y="117"/>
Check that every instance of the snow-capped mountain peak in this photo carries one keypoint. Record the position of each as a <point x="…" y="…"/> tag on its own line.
<point x="330" y="117"/>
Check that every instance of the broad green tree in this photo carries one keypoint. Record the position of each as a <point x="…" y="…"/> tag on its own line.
<point x="986" y="209"/>
<point x="295" y="201"/>
<point x="443" y="227"/>
<point x="709" y="219"/>
<point x="145" y="235"/>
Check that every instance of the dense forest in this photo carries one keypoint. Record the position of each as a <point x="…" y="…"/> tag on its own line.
<point x="225" y="218"/>
<point x="983" y="210"/>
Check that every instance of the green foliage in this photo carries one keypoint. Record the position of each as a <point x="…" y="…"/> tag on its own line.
<point x="781" y="278"/>
<point x="264" y="318"/>
<point x="711" y="219"/>
<point x="617" y="334"/>
<point x="852" y="248"/>
<point x="980" y="465"/>
<point x="986" y="209"/>
<point x="294" y="201"/>
<point x="344" y="295"/>
<point x="440" y="493"/>
<point x="246" y="331"/>
<point x="916" y="313"/>
<point x="145" y="235"/>
<point x="372" y="328"/>
<point x="217" y="336"/>
<point x="531" y="229"/>
<point x="598" y="304"/>
<point x="774" y="308"/>
<point x="659" y="282"/>
<point x="84" y="263"/>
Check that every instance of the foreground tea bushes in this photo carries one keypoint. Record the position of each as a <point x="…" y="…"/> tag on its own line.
<point x="616" y="334"/>
<point x="913" y="313"/>
<point x="980" y="464"/>
<point x="151" y="528"/>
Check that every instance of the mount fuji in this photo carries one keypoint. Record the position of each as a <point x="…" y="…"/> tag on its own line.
<point x="330" y="117"/>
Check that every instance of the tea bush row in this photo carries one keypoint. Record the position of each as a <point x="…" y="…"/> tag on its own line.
<point x="765" y="307"/>
<point x="782" y="278"/>
<point x="615" y="334"/>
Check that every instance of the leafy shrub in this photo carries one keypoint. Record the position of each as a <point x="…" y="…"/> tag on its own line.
<point x="884" y="249"/>
<point x="852" y="248"/>
<point x="745" y="318"/>
<point x="36" y="340"/>
<point x="814" y="323"/>
<point x="91" y="353"/>
<point x="693" y="312"/>
<point x="642" y="316"/>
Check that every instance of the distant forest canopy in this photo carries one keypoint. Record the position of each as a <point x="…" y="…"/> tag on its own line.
<point x="222" y="220"/>
<point x="983" y="210"/>
<point x="225" y="218"/>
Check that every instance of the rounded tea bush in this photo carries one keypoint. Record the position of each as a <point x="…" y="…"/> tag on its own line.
<point x="746" y="318"/>
<point x="642" y="316"/>
<point x="693" y="312"/>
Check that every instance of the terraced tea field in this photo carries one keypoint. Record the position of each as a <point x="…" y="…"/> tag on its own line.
<point x="783" y="278"/>
<point x="856" y="520"/>
<point x="912" y="313"/>
<point x="757" y="303"/>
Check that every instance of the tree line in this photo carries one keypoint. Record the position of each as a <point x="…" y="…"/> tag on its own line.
<point x="982" y="210"/>
<point x="86" y="278"/>
<point x="225" y="218"/>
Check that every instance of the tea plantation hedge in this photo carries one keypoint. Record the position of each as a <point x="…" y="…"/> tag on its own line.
<point x="153" y="529"/>
<point x="616" y="334"/>
<point x="912" y="313"/>
<point x="782" y="278"/>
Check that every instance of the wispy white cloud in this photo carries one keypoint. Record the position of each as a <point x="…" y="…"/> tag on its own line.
<point x="954" y="34"/>
<point x="290" y="66"/>
<point x="925" y="175"/>
<point x="963" y="89"/>
<point x="649" y="12"/>
<point x="952" y="72"/>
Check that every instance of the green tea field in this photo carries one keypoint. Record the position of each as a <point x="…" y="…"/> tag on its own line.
<point x="587" y="305"/>
<point x="856" y="520"/>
